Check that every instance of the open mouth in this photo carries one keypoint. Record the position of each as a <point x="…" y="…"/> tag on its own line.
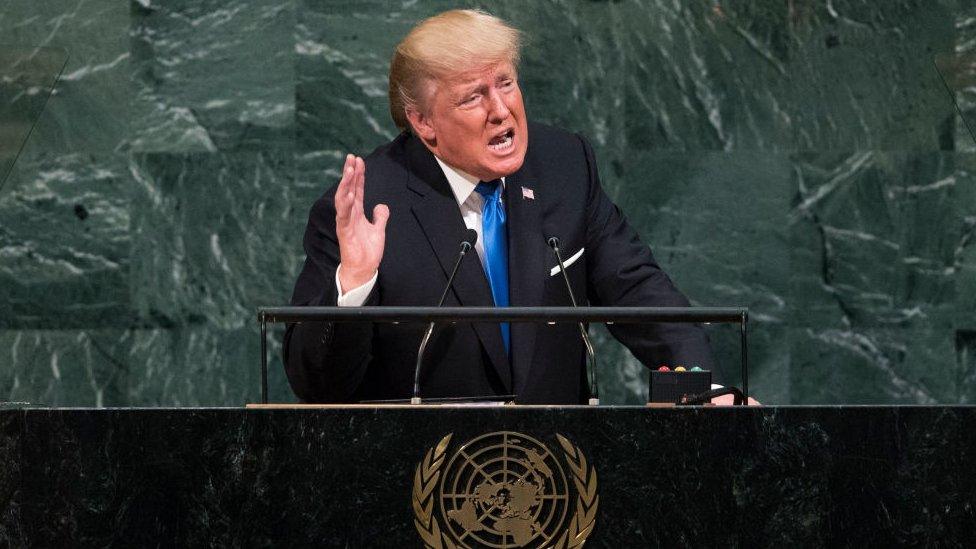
<point x="503" y="141"/>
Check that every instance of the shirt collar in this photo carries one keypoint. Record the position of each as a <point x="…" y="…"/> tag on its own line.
<point x="462" y="184"/>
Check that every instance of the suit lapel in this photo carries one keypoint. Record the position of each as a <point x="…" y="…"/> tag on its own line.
<point x="440" y="219"/>
<point x="526" y="277"/>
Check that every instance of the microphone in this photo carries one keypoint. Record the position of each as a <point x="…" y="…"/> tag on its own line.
<point x="467" y="243"/>
<point x="553" y="243"/>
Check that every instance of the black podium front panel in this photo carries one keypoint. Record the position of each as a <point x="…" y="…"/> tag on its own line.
<point x="395" y="477"/>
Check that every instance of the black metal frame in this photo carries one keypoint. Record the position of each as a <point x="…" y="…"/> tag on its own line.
<point x="609" y="315"/>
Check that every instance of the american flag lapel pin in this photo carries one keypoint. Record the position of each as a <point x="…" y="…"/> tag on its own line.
<point x="527" y="193"/>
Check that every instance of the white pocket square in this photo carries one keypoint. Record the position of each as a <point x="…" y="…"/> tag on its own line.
<point x="555" y="270"/>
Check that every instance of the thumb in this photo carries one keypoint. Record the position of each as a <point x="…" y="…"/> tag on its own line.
<point x="381" y="214"/>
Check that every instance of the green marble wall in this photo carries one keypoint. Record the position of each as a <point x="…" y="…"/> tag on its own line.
<point x="802" y="158"/>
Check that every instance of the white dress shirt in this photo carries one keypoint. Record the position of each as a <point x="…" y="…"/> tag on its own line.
<point x="471" y="204"/>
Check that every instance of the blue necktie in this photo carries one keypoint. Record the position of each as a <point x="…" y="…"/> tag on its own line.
<point x="495" y="240"/>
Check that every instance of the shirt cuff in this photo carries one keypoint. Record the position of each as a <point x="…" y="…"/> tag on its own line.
<point x="356" y="296"/>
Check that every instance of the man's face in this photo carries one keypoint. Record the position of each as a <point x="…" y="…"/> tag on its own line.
<point x="476" y="122"/>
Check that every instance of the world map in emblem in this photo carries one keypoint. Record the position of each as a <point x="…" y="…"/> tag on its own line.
<point x="502" y="490"/>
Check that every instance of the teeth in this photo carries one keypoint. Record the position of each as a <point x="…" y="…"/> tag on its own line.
<point x="505" y="143"/>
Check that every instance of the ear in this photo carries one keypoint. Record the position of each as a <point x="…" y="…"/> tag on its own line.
<point x="421" y="124"/>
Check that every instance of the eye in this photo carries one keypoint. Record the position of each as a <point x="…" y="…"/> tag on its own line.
<point x="470" y="99"/>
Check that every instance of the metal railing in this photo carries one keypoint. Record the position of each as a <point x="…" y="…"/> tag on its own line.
<point x="608" y="315"/>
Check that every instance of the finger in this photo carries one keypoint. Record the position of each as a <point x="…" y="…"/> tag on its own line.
<point x="356" y="193"/>
<point x="343" y="198"/>
<point x="353" y="180"/>
<point x="724" y="400"/>
<point x="360" y="185"/>
<point x="344" y="179"/>
<point x="381" y="214"/>
<point x="729" y="400"/>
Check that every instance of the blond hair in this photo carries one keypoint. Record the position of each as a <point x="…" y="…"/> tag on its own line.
<point x="443" y="46"/>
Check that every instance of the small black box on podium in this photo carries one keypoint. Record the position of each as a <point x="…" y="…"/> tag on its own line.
<point x="668" y="386"/>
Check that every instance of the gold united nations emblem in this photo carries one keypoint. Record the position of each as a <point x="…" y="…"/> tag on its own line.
<point x="503" y="490"/>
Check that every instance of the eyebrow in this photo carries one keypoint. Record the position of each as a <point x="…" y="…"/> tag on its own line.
<point x="475" y="84"/>
<point x="467" y="87"/>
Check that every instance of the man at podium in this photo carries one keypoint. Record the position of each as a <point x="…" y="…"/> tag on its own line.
<point x="390" y="231"/>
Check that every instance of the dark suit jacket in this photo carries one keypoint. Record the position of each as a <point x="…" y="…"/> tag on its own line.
<point x="349" y="362"/>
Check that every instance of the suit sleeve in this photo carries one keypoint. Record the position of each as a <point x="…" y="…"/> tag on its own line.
<point x="324" y="361"/>
<point x="624" y="273"/>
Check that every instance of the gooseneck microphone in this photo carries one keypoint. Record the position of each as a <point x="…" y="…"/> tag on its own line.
<point x="467" y="243"/>
<point x="553" y="243"/>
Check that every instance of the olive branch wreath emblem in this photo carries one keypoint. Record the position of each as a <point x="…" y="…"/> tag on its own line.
<point x="429" y="471"/>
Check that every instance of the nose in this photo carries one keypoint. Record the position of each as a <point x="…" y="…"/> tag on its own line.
<point x="497" y="109"/>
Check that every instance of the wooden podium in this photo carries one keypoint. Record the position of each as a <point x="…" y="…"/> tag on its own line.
<point x="403" y="476"/>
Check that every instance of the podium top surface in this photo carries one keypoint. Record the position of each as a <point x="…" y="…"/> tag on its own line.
<point x="770" y="409"/>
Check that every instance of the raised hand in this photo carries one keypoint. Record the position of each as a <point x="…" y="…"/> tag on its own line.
<point x="360" y="241"/>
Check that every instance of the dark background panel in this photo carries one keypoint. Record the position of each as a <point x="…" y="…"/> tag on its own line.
<point x="803" y="159"/>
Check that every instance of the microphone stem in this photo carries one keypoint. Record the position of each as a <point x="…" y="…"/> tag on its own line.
<point x="464" y="249"/>
<point x="430" y="328"/>
<point x="416" y="371"/>
<point x="590" y="355"/>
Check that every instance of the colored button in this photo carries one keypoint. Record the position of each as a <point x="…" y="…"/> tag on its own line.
<point x="664" y="369"/>
<point x="696" y="369"/>
<point x="680" y="369"/>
